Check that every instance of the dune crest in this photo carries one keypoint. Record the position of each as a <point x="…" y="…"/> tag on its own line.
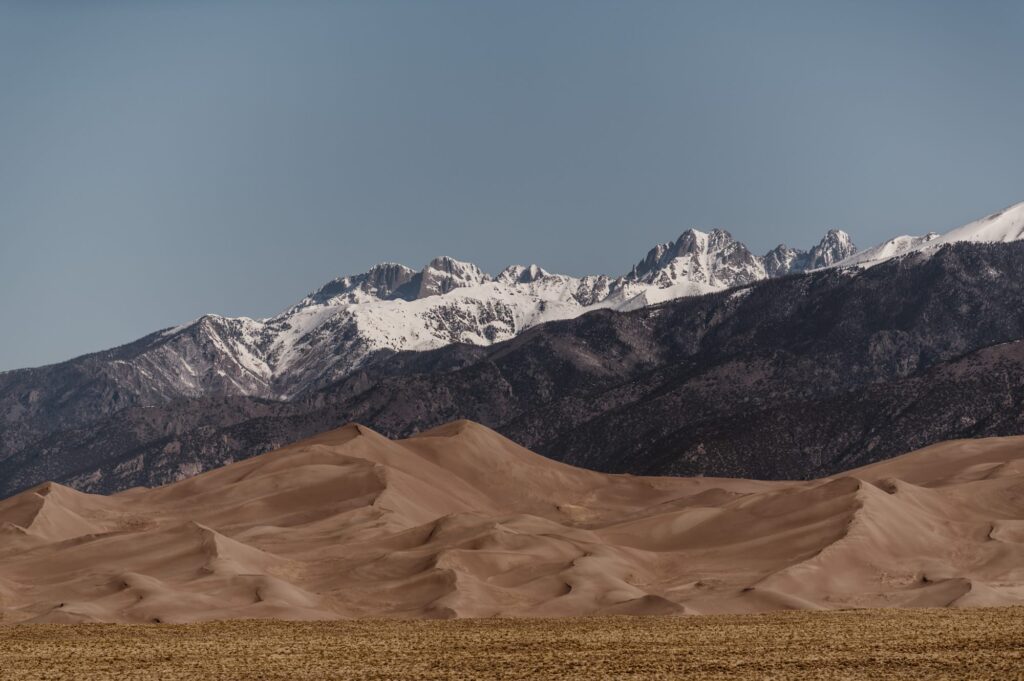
<point x="459" y="521"/>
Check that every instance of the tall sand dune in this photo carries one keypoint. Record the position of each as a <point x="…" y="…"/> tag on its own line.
<point x="461" y="522"/>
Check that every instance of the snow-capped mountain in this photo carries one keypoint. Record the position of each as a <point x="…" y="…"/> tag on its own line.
<point x="350" y="320"/>
<point x="893" y="248"/>
<point x="392" y="308"/>
<point x="348" y="326"/>
<point x="703" y="385"/>
<point x="354" y="321"/>
<point x="1002" y="227"/>
<point x="836" y="246"/>
<point x="694" y="264"/>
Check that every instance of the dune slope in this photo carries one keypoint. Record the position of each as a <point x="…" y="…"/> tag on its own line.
<point x="461" y="522"/>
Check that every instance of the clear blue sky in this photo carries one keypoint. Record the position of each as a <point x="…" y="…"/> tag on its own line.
<point x="159" y="160"/>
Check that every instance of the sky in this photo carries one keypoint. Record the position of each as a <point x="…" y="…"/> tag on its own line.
<point x="161" y="160"/>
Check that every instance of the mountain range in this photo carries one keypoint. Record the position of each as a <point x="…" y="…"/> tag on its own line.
<point x="356" y="321"/>
<point x="352" y="320"/>
<point x="697" y="343"/>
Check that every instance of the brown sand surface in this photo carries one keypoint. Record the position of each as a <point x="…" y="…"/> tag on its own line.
<point x="461" y="522"/>
<point x="979" y="643"/>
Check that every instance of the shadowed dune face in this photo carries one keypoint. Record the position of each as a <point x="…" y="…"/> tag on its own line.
<point x="461" y="522"/>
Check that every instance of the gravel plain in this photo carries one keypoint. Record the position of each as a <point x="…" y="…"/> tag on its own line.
<point x="861" y="644"/>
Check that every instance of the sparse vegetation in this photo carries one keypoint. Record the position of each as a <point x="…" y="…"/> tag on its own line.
<point x="864" y="644"/>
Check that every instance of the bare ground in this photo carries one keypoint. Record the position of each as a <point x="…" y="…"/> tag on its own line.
<point x="983" y="643"/>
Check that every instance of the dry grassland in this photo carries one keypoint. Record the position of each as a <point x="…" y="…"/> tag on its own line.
<point x="879" y="644"/>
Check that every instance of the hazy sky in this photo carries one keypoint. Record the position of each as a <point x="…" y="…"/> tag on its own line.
<point x="159" y="160"/>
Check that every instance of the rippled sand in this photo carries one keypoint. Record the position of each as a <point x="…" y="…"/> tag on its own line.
<point x="461" y="522"/>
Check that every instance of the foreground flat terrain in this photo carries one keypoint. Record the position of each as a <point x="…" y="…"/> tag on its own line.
<point x="866" y="644"/>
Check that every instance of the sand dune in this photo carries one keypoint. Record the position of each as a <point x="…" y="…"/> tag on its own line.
<point x="461" y="522"/>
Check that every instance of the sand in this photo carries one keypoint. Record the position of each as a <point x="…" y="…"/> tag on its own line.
<point x="874" y="645"/>
<point x="460" y="522"/>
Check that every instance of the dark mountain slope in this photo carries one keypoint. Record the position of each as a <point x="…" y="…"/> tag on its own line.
<point x="787" y="378"/>
<point x="347" y="325"/>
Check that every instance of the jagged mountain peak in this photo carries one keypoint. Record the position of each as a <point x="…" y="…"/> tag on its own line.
<point x="391" y="281"/>
<point x="704" y="261"/>
<point x="445" y="273"/>
<point x="382" y="281"/>
<point x="835" y="242"/>
<point x="695" y="239"/>
<point x="690" y="241"/>
<point x="780" y="260"/>
<point x="836" y="245"/>
<point x="522" y="274"/>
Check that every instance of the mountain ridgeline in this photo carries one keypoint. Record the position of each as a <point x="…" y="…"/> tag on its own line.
<point x="794" y="377"/>
<point x="703" y="359"/>
<point x="354" y="322"/>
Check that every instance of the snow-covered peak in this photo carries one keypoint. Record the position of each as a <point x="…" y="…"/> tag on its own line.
<point x="893" y="248"/>
<point x="391" y="308"/>
<point x="697" y="262"/>
<point x="709" y="260"/>
<point x="521" y="274"/>
<point x="782" y="260"/>
<point x="381" y="281"/>
<point x="662" y="255"/>
<point x="1002" y="227"/>
<point x="836" y="245"/>
<point x="391" y="281"/>
<point x="445" y="274"/>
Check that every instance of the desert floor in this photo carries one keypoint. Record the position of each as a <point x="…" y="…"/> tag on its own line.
<point x="865" y="644"/>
